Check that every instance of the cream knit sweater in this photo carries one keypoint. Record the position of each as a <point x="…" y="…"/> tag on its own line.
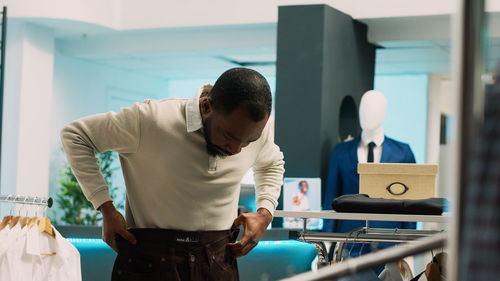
<point x="171" y="181"/>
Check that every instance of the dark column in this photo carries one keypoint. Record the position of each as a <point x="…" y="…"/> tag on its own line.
<point x="323" y="60"/>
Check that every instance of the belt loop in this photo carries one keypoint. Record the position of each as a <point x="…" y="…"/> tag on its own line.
<point x="234" y="234"/>
<point x="209" y="254"/>
<point x="192" y="261"/>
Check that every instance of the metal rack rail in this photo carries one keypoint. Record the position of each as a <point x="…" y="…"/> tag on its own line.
<point x="360" y="235"/>
<point x="30" y="200"/>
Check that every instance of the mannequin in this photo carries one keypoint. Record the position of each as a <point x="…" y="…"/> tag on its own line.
<point x="372" y="110"/>
<point x="343" y="177"/>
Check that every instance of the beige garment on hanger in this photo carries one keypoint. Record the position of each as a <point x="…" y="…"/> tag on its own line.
<point x="435" y="270"/>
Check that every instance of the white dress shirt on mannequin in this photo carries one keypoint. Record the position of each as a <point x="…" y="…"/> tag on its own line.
<point x="377" y="150"/>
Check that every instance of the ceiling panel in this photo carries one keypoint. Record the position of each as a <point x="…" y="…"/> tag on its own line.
<point x="191" y="64"/>
<point x="413" y="67"/>
<point x="405" y="44"/>
<point x="411" y="54"/>
<point x="124" y="62"/>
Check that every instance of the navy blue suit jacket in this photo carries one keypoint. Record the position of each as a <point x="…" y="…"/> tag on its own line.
<point x="343" y="178"/>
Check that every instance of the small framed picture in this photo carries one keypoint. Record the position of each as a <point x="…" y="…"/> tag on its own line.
<point x="302" y="194"/>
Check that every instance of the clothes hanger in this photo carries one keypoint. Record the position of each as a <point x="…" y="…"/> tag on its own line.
<point x="354" y="243"/>
<point x="345" y="245"/>
<point x="361" y="249"/>
<point x="32" y="222"/>
<point x="24" y="221"/>
<point x="34" y="219"/>
<point x="338" y="252"/>
<point x="44" y="225"/>
<point x="6" y="220"/>
<point x="16" y="219"/>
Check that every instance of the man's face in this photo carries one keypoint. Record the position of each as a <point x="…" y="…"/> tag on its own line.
<point x="227" y="133"/>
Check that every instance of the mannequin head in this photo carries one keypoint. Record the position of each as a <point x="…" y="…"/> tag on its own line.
<point x="372" y="110"/>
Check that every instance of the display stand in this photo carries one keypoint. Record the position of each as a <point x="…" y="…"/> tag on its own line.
<point x="360" y="235"/>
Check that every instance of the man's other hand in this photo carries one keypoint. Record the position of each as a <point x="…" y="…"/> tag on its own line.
<point x="113" y="223"/>
<point x="254" y="226"/>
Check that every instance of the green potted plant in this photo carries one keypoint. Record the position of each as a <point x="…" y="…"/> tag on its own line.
<point x="76" y="209"/>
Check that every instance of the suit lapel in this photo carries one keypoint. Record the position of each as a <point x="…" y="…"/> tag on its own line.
<point x="354" y="151"/>
<point x="386" y="151"/>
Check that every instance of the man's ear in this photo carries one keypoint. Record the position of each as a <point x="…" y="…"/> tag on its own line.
<point x="205" y="106"/>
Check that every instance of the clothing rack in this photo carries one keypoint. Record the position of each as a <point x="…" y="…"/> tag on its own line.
<point x="360" y="235"/>
<point x="363" y="235"/>
<point x="371" y="260"/>
<point x="30" y="200"/>
<point x="332" y="215"/>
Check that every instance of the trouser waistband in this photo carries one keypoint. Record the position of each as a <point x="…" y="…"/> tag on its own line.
<point x="160" y="236"/>
<point x="158" y="240"/>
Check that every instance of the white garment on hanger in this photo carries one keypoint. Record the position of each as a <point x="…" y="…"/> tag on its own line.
<point x="63" y="266"/>
<point x="3" y="232"/>
<point x="29" y="258"/>
<point x="9" y="251"/>
<point x="8" y="235"/>
<point x="391" y="272"/>
<point x="3" y="238"/>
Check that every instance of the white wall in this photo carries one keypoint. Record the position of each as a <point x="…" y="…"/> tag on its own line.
<point x="35" y="111"/>
<point x="140" y="14"/>
<point x="26" y="118"/>
<point x="434" y="117"/>
<point x="98" y="12"/>
<point x="134" y="14"/>
<point x="406" y="116"/>
<point x="442" y="101"/>
<point x="82" y="88"/>
<point x="186" y="88"/>
<point x="447" y="153"/>
<point x="11" y="101"/>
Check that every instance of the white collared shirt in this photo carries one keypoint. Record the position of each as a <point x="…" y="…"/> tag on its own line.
<point x="10" y="253"/>
<point x="3" y="236"/>
<point x="8" y="236"/>
<point x="64" y="265"/>
<point x="377" y="150"/>
<point x="30" y="258"/>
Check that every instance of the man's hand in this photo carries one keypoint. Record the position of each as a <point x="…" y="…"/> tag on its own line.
<point x="255" y="225"/>
<point x="113" y="223"/>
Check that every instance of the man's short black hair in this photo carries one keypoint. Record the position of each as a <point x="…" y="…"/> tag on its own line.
<point x="242" y="87"/>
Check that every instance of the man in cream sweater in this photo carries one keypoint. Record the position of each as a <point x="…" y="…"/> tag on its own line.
<point x="183" y="160"/>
